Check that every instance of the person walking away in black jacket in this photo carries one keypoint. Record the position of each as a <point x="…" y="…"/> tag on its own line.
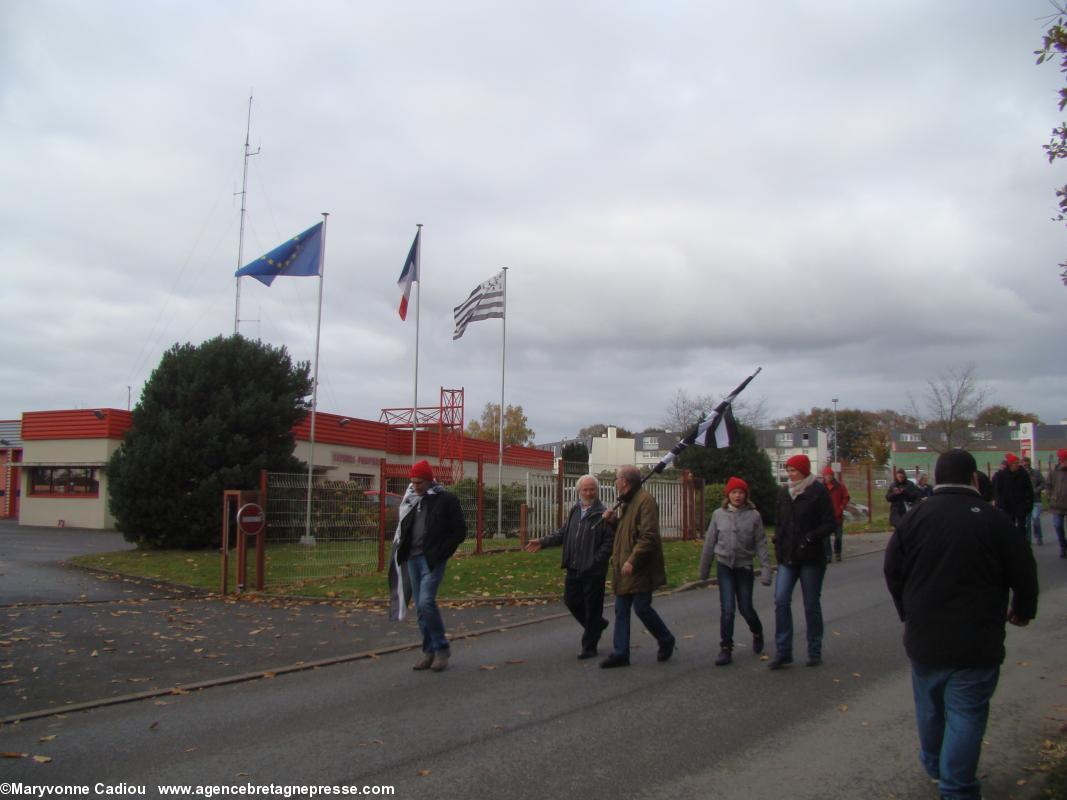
<point x="1014" y="494"/>
<point x="805" y="520"/>
<point x="586" y="553"/>
<point x="957" y="571"/>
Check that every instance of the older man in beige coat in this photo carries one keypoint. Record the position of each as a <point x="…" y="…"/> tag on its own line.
<point x="638" y="570"/>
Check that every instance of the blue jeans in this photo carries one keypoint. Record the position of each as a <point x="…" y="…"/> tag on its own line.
<point x="810" y="577"/>
<point x="1035" y="519"/>
<point x="951" y="709"/>
<point x="642" y="606"/>
<point x="1057" y="524"/>
<point x="735" y="593"/>
<point x="424" y="583"/>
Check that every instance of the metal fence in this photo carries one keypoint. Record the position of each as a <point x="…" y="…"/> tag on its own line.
<point x="351" y="529"/>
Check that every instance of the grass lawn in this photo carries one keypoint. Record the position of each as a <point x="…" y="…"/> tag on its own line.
<point x="501" y="574"/>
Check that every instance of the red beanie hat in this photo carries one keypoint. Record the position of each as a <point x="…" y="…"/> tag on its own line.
<point x="422" y="469"/>
<point x="1061" y="454"/>
<point x="800" y="462"/>
<point x="1011" y="458"/>
<point x="828" y="470"/>
<point x="736" y="483"/>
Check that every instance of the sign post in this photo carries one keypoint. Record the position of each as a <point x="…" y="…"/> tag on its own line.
<point x="251" y="521"/>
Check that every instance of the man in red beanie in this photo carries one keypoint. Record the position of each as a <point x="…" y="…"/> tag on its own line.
<point x="1013" y="493"/>
<point x="431" y="528"/>
<point x="839" y="497"/>
<point x="1057" y="497"/>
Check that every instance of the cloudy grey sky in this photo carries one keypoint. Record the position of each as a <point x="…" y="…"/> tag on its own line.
<point x="854" y="198"/>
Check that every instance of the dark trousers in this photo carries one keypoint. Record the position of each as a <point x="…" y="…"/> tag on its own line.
<point x="584" y="597"/>
<point x="735" y="594"/>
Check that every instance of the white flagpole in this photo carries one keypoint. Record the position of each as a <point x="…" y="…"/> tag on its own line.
<point x="500" y="454"/>
<point x="308" y="538"/>
<point x="418" y="296"/>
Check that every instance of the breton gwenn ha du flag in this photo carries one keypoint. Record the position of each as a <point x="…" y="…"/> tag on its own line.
<point x="409" y="274"/>
<point x="717" y="429"/>
<point x="485" y="302"/>
<point x="298" y="257"/>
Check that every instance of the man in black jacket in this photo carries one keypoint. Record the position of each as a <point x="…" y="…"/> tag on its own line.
<point x="431" y="528"/>
<point x="951" y="566"/>
<point x="1013" y="493"/>
<point x="586" y="553"/>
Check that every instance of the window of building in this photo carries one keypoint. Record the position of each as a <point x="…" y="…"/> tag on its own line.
<point x="911" y="437"/>
<point x="1016" y="435"/>
<point x="982" y="436"/>
<point x="72" y="481"/>
<point x="783" y="440"/>
<point x="650" y="444"/>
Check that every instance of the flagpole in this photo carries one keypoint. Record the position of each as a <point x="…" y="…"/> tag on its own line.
<point x="500" y="454"/>
<point x="241" y="234"/>
<point x="418" y="296"/>
<point x="308" y="538"/>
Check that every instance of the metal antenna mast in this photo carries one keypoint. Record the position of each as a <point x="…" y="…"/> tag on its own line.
<point x="241" y="237"/>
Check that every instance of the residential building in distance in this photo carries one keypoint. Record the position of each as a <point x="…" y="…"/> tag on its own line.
<point x="916" y="449"/>
<point x="781" y="443"/>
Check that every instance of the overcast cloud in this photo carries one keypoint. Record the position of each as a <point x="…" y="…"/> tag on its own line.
<point x="852" y="197"/>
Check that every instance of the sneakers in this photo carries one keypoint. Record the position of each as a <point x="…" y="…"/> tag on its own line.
<point x="666" y="650"/>
<point x="813" y="661"/>
<point x="613" y="661"/>
<point x="725" y="657"/>
<point x="587" y="652"/>
<point x="440" y="661"/>
<point x="424" y="662"/>
<point x="780" y="661"/>
<point x="757" y="643"/>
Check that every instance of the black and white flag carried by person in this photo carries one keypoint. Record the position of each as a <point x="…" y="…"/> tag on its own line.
<point x="718" y="428"/>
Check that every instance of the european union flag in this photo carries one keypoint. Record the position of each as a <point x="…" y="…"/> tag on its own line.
<point x="297" y="257"/>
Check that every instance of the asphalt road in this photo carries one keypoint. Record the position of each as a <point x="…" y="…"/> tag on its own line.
<point x="517" y="716"/>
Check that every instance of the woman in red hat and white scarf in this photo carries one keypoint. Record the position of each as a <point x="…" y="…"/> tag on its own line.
<point x="805" y="519"/>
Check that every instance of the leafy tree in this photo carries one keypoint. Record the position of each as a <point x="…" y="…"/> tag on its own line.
<point x="516" y="430"/>
<point x="995" y="415"/>
<point x="575" y="457"/>
<point x="743" y="459"/>
<point x="951" y="402"/>
<point x="1055" y="45"/>
<point x="210" y="418"/>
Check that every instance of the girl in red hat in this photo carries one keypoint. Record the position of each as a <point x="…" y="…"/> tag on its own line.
<point x="735" y="537"/>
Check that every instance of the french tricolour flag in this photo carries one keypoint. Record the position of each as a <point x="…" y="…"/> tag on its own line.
<point x="409" y="274"/>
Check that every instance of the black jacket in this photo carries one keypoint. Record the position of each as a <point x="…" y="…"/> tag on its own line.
<point x="445" y="528"/>
<point x="586" y="549"/>
<point x="950" y="567"/>
<point x="901" y="497"/>
<point x="1013" y="492"/>
<point x="803" y="523"/>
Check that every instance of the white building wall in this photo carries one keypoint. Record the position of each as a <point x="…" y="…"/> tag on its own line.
<point x="74" y="511"/>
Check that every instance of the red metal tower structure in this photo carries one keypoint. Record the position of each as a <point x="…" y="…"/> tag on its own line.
<point x="446" y="418"/>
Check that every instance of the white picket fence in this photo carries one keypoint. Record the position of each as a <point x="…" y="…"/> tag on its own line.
<point x="542" y="510"/>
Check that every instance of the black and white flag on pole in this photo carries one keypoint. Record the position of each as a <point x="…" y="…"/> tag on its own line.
<point x="717" y="429"/>
<point x="485" y="302"/>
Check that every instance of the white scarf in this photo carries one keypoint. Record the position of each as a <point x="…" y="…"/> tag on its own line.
<point x="798" y="487"/>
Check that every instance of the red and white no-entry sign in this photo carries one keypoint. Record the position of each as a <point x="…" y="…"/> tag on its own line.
<point x="251" y="519"/>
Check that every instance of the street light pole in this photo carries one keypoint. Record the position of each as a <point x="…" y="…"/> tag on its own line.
<point x="834" y="401"/>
